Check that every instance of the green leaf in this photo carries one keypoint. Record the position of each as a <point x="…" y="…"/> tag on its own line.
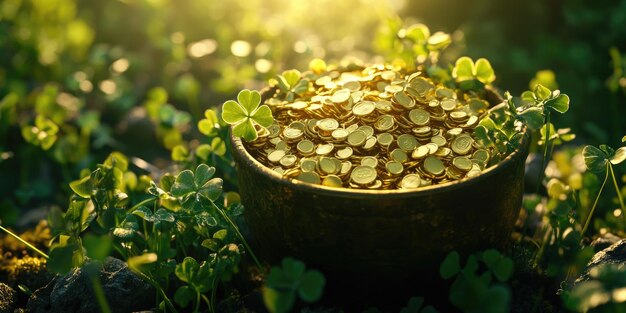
<point x="202" y="175"/>
<point x="533" y="117"/>
<point x="249" y="100"/>
<point x="245" y="130"/>
<point x="278" y="301"/>
<point x="528" y="96"/>
<point x="221" y="235"/>
<point x="451" y="265"/>
<point x="144" y="213"/>
<point x="624" y="139"/>
<point x="263" y="116"/>
<point x="61" y="258"/>
<point x="180" y="153"/>
<point x="438" y="41"/>
<point x="212" y="189"/>
<point x="218" y="146"/>
<point x="203" y="151"/>
<point x="98" y="247"/>
<point x="311" y="286"/>
<point x="463" y="69"/>
<point x="503" y="270"/>
<point x="128" y="228"/>
<point x="418" y="33"/>
<point x="541" y="92"/>
<point x="619" y="156"/>
<point x="163" y="215"/>
<point x="184" y="295"/>
<point x="136" y="262"/>
<point x="83" y="187"/>
<point x="233" y="113"/>
<point x="559" y="104"/>
<point x="484" y="72"/>
<point x="293" y="268"/>
<point x="187" y="270"/>
<point x="184" y="184"/>
<point x="291" y="77"/>
<point x="595" y="159"/>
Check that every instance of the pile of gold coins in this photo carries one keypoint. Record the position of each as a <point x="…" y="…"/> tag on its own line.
<point x="373" y="128"/>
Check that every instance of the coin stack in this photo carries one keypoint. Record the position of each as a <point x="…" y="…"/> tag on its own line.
<point x="373" y="128"/>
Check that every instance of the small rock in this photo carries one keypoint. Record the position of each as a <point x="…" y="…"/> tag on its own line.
<point x="615" y="254"/>
<point x="8" y="297"/>
<point x="124" y="290"/>
<point x="604" y="242"/>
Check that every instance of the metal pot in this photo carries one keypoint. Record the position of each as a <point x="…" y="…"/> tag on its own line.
<point x="379" y="233"/>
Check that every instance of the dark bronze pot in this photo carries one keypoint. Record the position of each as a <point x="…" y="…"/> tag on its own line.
<point x="379" y="233"/>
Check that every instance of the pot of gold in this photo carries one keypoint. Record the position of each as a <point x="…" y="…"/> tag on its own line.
<point x="372" y="171"/>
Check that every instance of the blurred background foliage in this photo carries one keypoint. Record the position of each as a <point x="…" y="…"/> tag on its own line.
<point x="79" y="79"/>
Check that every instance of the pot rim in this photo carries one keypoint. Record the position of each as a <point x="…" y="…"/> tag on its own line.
<point x="249" y="161"/>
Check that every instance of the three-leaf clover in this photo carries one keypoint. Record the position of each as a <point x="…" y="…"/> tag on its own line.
<point x="43" y="133"/>
<point x="596" y="159"/>
<point x="472" y="76"/>
<point x="199" y="279"/>
<point x="246" y="113"/>
<point x="192" y="187"/>
<point x="283" y="283"/>
<point x="291" y="84"/>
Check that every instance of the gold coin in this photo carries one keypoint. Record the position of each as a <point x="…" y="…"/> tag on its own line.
<point x="394" y="168"/>
<point x="276" y="155"/>
<point x="346" y="166"/>
<point x="306" y="147"/>
<point x="369" y="143"/>
<point x="324" y="149"/>
<point x="410" y="181"/>
<point x="327" y="124"/>
<point x="369" y="161"/>
<point x="399" y="156"/>
<point x="462" y="163"/>
<point x="462" y="144"/>
<point x="309" y="177"/>
<point x="434" y="166"/>
<point x="384" y="123"/>
<point x="288" y="160"/>
<point x="420" y="152"/>
<point x="329" y="166"/>
<point x="448" y="104"/>
<point x="363" y="108"/>
<point x="404" y="100"/>
<point x="384" y="139"/>
<point x="363" y="175"/>
<point x="407" y="142"/>
<point x="353" y="85"/>
<point x="356" y="138"/>
<point x="340" y="134"/>
<point x="419" y="117"/>
<point x="308" y="165"/>
<point x="344" y="153"/>
<point x="332" y="181"/>
<point x="368" y="130"/>
<point x="439" y="140"/>
<point x="341" y="96"/>
<point x="292" y="133"/>
<point x="481" y="155"/>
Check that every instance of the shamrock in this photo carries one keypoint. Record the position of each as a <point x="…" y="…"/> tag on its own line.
<point x="472" y="76"/>
<point x="43" y="133"/>
<point x="194" y="186"/>
<point x="246" y="113"/>
<point x="291" y="279"/>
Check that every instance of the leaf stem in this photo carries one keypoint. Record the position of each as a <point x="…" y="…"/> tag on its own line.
<point x="545" y="153"/>
<point x="595" y="203"/>
<point x="99" y="293"/>
<point x="27" y="244"/>
<point x="136" y="206"/>
<point x="196" y="308"/>
<point x="243" y="240"/>
<point x="156" y="285"/>
<point x="617" y="190"/>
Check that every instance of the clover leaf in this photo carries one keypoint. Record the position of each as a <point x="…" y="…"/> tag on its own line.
<point x="415" y="306"/>
<point x="43" y="133"/>
<point x="246" y="113"/>
<point x="209" y="124"/>
<point x="291" y="279"/>
<point x="467" y="73"/>
<point x="595" y="159"/>
<point x="290" y="82"/>
<point x="199" y="278"/>
<point x="194" y="186"/>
